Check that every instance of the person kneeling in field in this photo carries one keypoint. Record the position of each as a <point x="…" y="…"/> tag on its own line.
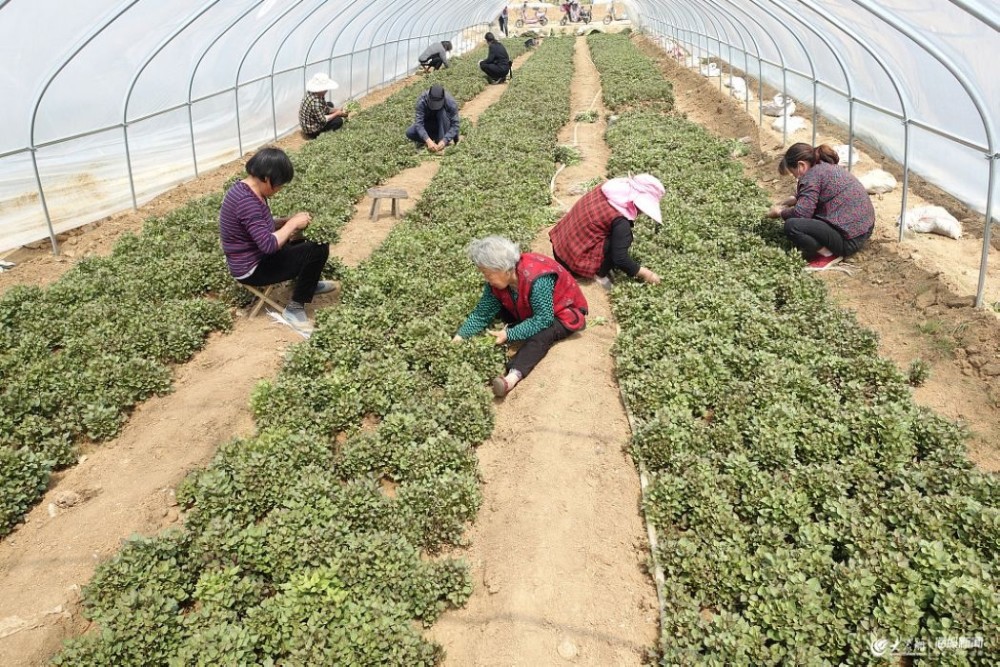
<point x="594" y="237"/>
<point x="537" y="298"/>
<point x="831" y="215"/>
<point x="435" y="122"/>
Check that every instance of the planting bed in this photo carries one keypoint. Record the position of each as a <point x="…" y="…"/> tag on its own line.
<point x="806" y="508"/>
<point x="78" y="356"/>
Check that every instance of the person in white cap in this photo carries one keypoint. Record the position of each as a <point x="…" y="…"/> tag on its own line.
<point x="316" y="115"/>
<point x="594" y="237"/>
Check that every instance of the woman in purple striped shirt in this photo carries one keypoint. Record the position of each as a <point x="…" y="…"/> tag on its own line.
<point x="260" y="249"/>
<point x="831" y="216"/>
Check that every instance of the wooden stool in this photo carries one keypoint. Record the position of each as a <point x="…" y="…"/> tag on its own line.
<point x="395" y="194"/>
<point x="263" y="295"/>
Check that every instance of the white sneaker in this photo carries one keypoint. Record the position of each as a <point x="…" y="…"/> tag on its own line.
<point x="325" y="286"/>
<point x="296" y="317"/>
<point x="603" y="282"/>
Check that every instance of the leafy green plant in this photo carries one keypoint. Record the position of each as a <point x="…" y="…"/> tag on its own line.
<point x="918" y="372"/>
<point x="803" y="503"/>
<point x="308" y="543"/>
<point x="589" y="116"/>
<point x="567" y="154"/>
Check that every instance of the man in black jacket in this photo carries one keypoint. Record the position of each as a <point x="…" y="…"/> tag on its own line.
<point x="497" y="63"/>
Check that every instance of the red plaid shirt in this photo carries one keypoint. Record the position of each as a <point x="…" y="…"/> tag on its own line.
<point x="578" y="238"/>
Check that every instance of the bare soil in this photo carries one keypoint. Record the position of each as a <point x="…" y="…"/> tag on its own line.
<point x="559" y="550"/>
<point x="125" y="486"/>
<point x="916" y="294"/>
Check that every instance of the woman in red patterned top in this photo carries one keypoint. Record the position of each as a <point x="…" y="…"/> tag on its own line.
<point x="594" y="237"/>
<point x="831" y="216"/>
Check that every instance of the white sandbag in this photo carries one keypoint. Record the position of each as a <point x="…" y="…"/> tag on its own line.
<point x="778" y="106"/>
<point x="742" y="94"/>
<point x="843" y="150"/>
<point x="691" y="62"/>
<point x="792" y="123"/>
<point x="933" y="220"/>
<point x="710" y="69"/>
<point x="878" y="182"/>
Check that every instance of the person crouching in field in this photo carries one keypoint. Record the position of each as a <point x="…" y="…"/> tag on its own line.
<point x="538" y="300"/>
<point x="594" y="237"/>
<point x="435" y="56"/>
<point x="316" y="115"/>
<point x="831" y="216"/>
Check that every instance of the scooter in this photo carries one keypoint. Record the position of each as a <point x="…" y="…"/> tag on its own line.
<point x="583" y="14"/>
<point x="540" y="18"/>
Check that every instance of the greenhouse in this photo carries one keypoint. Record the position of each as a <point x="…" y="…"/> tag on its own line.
<point x="606" y="333"/>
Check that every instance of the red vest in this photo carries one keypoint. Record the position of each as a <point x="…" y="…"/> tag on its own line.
<point x="568" y="302"/>
<point x="578" y="238"/>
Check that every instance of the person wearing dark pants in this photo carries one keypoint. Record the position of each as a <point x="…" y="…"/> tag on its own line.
<point x="831" y="216"/>
<point x="435" y="56"/>
<point x="810" y="235"/>
<point x="534" y="295"/>
<point x="503" y="22"/>
<point x="497" y="64"/>
<point x="300" y="260"/>
<point x="436" y="121"/>
<point x="316" y="115"/>
<point x="261" y="250"/>
<point x="595" y="236"/>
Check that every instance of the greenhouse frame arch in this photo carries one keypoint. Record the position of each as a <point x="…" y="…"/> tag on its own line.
<point x="210" y="80"/>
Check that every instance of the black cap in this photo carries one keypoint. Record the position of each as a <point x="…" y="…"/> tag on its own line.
<point x="435" y="97"/>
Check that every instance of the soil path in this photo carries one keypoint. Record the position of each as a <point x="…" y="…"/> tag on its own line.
<point x="363" y="235"/>
<point x="559" y="548"/>
<point x="125" y="486"/>
<point x="918" y="300"/>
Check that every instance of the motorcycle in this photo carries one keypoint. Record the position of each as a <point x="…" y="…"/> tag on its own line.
<point x="523" y="19"/>
<point x="583" y="14"/>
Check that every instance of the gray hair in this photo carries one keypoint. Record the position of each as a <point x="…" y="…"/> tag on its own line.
<point x="494" y="252"/>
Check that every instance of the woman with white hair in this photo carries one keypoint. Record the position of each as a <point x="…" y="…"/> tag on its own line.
<point x="594" y="237"/>
<point x="316" y="115"/>
<point x="537" y="298"/>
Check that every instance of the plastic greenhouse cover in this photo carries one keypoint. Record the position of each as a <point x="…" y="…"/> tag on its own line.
<point x="192" y="84"/>
<point x="189" y="85"/>
<point x="932" y="95"/>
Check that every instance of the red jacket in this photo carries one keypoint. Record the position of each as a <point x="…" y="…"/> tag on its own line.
<point x="578" y="238"/>
<point x="567" y="300"/>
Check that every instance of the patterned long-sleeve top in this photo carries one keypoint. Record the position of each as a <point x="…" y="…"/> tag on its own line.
<point x="542" y="311"/>
<point x="312" y="113"/>
<point x="247" y="230"/>
<point x="830" y="193"/>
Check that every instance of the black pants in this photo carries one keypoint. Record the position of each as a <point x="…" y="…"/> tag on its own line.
<point x="495" y="72"/>
<point x="302" y="260"/>
<point x="331" y="125"/>
<point x="434" y="61"/>
<point x="810" y="234"/>
<point x="535" y="348"/>
<point x="503" y="26"/>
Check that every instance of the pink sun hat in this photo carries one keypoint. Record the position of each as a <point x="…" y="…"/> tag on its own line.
<point x="632" y="194"/>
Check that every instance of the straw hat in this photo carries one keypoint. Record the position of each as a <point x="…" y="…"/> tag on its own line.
<point x="320" y="83"/>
